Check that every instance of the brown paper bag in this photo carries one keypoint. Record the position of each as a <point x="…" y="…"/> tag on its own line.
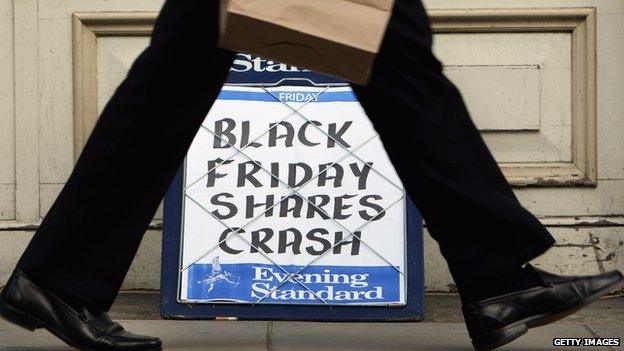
<point x="337" y="37"/>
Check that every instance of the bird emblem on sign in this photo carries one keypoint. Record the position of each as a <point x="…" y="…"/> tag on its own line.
<point x="218" y="275"/>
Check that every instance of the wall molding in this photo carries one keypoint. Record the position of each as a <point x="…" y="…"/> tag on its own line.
<point x="32" y="226"/>
<point x="86" y="28"/>
<point x="580" y="23"/>
<point x="26" y="63"/>
<point x="550" y="221"/>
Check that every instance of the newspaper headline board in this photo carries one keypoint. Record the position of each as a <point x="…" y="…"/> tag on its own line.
<point x="288" y="197"/>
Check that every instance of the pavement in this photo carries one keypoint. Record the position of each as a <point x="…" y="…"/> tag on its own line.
<point x="442" y="330"/>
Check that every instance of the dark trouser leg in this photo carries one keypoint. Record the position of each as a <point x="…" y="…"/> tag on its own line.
<point x="468" y="206"/>
<point x="89" y="237"/>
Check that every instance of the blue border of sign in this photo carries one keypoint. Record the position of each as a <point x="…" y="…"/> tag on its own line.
<point x="172" y="309"/>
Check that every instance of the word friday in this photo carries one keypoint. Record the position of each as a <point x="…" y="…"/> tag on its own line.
<point x="296" y="174"/>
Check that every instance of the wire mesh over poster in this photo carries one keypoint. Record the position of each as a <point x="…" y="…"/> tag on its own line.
<point x="288" y="197"/>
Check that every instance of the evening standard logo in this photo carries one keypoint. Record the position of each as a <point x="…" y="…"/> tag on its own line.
<point x="258" y="282"/>
<point x="250" y="70"/>
<point x="335" y="286"/>
<point x="585" y="342"/>
<point x="245" y="63"/>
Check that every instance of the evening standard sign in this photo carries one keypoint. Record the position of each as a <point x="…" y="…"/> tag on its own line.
<point x="289" y="197"/>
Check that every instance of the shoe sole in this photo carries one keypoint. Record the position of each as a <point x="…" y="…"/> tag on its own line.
<point x="31" y="323"/>
<point x="502" y="336"/>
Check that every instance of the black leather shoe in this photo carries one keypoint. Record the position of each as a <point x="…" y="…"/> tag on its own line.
<point x="29" y="306"/>
<point x="499" y="320"/>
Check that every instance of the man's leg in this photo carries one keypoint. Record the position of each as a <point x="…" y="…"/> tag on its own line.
<point x="89" y="237"/>
<point x="483" y="231"/>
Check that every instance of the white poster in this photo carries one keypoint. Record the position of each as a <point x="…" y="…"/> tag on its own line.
<point x="289" y="197"/>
